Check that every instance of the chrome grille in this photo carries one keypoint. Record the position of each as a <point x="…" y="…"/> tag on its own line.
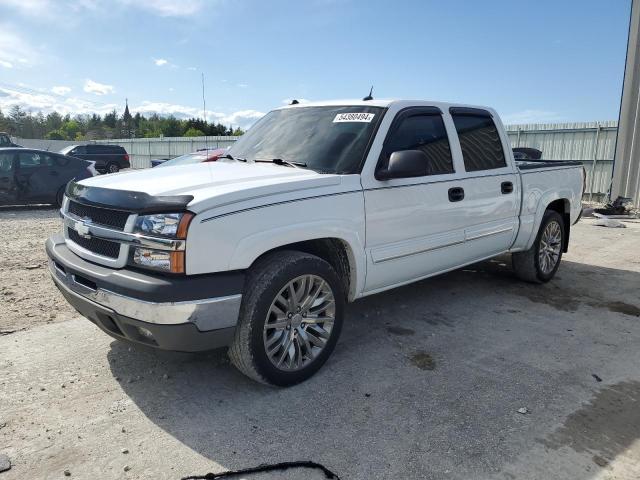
<point x="100" y="216"/>
<point x="95" y="245"/>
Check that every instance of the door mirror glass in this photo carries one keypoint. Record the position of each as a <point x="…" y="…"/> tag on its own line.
<point x="405" y="164"/>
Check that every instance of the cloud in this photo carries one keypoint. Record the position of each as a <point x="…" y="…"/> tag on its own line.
<point x="61" y="90"/>
<point x="243" y="85"/>
<point x="35" y="101"/>
<point x="97" y="88"/>
<point x="242" y="118"/>
<point x="160" y="61"/>
<point x="55" y="9"/>
<point x="167" y="8"/>
<point x="15" y="51"/>
<point x="531" y="116"/>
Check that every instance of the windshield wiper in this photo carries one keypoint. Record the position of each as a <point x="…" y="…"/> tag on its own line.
<point x="279" y="161"/>
<point x="231" y="157"/>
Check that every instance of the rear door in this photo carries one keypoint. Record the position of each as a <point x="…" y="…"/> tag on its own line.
<point x="38" y="176"/>
<point x="415" y="226"/>
<point x="489" y="182"/>
<point x="8" y="191"/>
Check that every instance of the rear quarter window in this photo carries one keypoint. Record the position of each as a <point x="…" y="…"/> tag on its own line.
<point x="480" y="142"/>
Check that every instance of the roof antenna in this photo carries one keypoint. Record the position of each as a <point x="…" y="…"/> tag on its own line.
<point x="294" y="102"/>
<point x="370" y="96"/>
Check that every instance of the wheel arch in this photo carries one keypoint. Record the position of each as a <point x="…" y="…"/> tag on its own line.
<point x="563" y="207"/>
<point x="555" y="201"/>
<point x="339" y="252"/>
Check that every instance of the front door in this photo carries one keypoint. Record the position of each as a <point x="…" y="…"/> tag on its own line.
<point x="415" y="226"/>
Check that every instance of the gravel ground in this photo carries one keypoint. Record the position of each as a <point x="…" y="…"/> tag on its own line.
<point x="28" y="296"/>
<point x="427" y="381"/>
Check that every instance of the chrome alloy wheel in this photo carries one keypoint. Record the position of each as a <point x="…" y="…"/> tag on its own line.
<point x="550" y="245"/>
<point x="299" y="322"/>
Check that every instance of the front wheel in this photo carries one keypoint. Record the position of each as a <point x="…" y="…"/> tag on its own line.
<point x="540" y="263"/>
<point x="290" y="318"/>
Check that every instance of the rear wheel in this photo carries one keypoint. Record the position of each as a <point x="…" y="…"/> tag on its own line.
<point x="290" y="319"/>
<point x="540" y="263"/>
<point x="112" y="167"/>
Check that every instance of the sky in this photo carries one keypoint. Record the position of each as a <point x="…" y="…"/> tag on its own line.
<point x="534" y="61"/>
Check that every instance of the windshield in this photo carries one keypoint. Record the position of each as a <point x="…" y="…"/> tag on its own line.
<point x="185" y="159"/>
<point x="326" y="139"/>
<point x="66" y="150"/>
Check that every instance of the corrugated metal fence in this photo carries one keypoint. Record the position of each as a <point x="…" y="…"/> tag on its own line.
<point x="591" y="142"/>
<point x="142" y="150"/>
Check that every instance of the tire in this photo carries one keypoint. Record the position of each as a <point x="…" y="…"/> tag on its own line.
<point x="60" y="196"/>
<point x="528" y="265"/>
<point x="112" y="167"/>
<point x="268" y="279"/>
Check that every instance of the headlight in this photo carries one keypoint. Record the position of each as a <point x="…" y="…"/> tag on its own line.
<point x="166" y="225"/>
<point x="162" y="224"/>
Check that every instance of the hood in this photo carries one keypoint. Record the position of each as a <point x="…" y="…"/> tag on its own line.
<point x="214" y="184"/>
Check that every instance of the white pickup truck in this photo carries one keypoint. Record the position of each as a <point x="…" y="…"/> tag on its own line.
<point x="316" y="205"/>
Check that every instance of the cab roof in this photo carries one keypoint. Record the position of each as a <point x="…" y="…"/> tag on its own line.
<point x="385" y="103"/>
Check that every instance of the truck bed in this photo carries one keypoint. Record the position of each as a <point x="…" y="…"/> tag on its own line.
<point x="544" y="164"/>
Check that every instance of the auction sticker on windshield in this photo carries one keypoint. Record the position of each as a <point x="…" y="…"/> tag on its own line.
<point x="354" y="117"/>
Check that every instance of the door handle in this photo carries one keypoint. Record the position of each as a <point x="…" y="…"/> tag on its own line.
<point x="456" y="194"/>
<point x="506" y="187"/>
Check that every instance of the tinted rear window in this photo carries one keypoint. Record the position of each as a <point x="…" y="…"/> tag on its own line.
<point x="480" y="142"/>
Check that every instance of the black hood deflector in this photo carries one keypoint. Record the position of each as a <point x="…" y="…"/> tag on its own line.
<point x="127" y="200"/>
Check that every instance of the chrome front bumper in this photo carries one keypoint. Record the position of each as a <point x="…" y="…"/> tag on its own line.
<point x="206" y="314"/>
<point x="90" y="289"/>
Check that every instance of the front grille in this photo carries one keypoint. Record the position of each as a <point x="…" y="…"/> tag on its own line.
<point x="101" y="216"/>
<point x="96" y="245"/>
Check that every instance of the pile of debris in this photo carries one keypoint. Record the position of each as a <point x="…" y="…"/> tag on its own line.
<point x="610" y="215"/>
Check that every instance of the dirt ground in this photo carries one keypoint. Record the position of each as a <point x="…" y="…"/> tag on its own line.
<point x="28" y="296"/>
<point x="427" y="381"/>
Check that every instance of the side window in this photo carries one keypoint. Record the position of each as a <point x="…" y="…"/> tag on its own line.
<point x="422" y="132"/>
<point x="6" y="162"/>
<point x="480" y="142"/>
<point x="62" y="161"/>
<point x="34" y="160"/>
<point x="79" y="151"/>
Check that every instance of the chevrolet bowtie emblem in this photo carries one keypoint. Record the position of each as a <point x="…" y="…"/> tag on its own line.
<point x="82" y="229"/>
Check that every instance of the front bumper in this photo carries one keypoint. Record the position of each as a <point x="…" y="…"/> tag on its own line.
<point x="172" y="313"/>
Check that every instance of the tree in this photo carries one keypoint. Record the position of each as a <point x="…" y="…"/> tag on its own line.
<point x="111" y="118"/>
<point x="193" y="132"/>
<point x="55" y="126"/>
<point x="55" y="135"/>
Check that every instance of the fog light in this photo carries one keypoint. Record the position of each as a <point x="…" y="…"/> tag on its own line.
<point x="152" y="259"/>
<point x="159" y="260"/>
<point x="145" y="333"/>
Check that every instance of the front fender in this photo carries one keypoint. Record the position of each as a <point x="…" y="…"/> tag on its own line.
<point x="250" y="248"/>
<point x="235" y="241"/>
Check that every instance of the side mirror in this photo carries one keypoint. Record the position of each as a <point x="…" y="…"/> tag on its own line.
<point x="405" y="164"/>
